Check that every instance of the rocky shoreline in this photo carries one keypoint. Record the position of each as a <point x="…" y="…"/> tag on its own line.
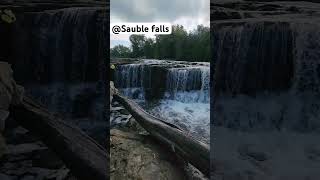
<point x="136" y="155"/>
<point x="57" y="52"/>
<point x="22" y="154"/>
<point x="26" y="157"/>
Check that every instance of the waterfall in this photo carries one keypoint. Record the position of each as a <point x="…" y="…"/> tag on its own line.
<point x="61" y="45"/>
<point x="183" y="79"/>
<point x="247" y="61"/>
<point x="129" y="76"/>
<point x="307" y="57"/>
<point x="185" y="86"/>
<point x="205" y="85"/>
<point x="189" y="84"/>
<point x="135" y="79"/>
<point x="130" y="79"/>
<point x="58" y="59"/>
<point x="267" y="75"/>
<point x="252" y="57"/>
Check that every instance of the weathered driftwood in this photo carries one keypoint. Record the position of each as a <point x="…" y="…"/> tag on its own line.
<point x="85" y="158"/>
<point x="192" y="150"/>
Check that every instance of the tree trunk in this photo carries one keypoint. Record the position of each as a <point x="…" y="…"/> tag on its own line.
<point x="195" y="152"/>
<point x="83" y="156"/>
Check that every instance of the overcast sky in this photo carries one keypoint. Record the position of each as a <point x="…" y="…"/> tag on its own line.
<point x="188" y="13"/>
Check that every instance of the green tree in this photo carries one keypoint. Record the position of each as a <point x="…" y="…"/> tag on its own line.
<point x="137" y="44"/>
<point x="199" y="44"/>
<point x="149" y="48"/>
<point x="120" y="51"/>
<point x="179" y="45"/>
<point x="180" y="36"/>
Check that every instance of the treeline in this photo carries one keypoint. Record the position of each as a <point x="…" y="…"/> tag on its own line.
<point x="179" y="45"/>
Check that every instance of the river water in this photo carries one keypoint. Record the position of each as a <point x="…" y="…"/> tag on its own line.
<point x="185" y="98"/>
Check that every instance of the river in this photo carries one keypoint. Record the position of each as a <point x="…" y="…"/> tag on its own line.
<point x="175" y="91"/>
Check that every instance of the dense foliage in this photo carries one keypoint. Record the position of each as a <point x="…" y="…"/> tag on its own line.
<point x="179" y="45"/>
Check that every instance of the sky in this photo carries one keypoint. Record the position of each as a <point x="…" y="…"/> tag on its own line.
<point x="189" y="13"/>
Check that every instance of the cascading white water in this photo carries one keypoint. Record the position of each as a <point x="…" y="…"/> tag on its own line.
<point x="62" y="66"/>
<point x="263" y="84"/>
<point x="185" y="102"/>
<point x="129" y="78"/>
<point x="189" y="84"/>
<point x="185" y="84"/>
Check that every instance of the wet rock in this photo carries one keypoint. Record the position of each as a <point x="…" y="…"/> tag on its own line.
<point x="124" y="111"/>
<point x="24" y="148"/>
<point x="115" y="104"/>
<point x="41" y="173"/>
<point x="47" y="159"/>
<point x="32" y="161"/>
<point x="19" y="135"/>
<point x="219" y="13"/>
<point x="29" y="159"/>
<point x="117" y="108"/>
<point x="17" y="168"/>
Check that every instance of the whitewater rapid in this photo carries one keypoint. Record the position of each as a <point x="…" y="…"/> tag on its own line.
<point x="186" y="101"/>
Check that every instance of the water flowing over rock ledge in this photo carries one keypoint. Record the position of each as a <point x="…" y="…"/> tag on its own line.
<point x="57" y="51"/>
<point x="267" y="55"/>
<point x="266" y="59"/>
<point x="136" y="153"/>
<point x="177" y="91"/>
<point x="156" y="77"/>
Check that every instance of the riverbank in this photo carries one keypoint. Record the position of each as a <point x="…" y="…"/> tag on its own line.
<point x="136" y="155"/>
<point x="175" y="91"/>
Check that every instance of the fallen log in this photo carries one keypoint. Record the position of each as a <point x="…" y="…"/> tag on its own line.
<point x="82" y="155"/>
<point x="195" y="152"/>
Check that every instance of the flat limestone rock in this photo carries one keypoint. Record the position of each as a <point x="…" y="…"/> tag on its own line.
<point x="135" y="156"/>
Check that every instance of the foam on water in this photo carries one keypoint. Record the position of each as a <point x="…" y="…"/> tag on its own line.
<point x="186" y="99"/>
<point x="192" y="116"/>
